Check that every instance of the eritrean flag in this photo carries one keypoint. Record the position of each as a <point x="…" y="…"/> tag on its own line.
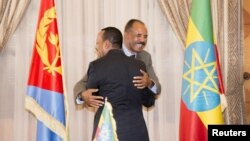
<point x="106" y="130"/>
<point x="45" y="97"/>
<point x="200" y="99"/>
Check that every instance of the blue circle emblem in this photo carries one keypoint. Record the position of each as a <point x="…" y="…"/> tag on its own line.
<point x="200" y="89"/>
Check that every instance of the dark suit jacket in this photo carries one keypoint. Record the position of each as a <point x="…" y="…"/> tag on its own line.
<point x="113" y="75"/>
<point x="148" y="100"/>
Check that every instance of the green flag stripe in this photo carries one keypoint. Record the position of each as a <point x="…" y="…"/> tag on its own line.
<point x="201" y="16"/>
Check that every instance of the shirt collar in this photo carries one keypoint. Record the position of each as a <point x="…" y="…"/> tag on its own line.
<point x="126" y="51"/>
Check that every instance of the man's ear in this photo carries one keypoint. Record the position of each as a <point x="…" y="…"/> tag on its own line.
<point x="125" y="35"/>
<point x="107" y="44"/>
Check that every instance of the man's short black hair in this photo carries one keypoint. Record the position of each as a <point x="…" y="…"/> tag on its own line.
<point x="130" y="23"/>
<point x="113" y="35"/>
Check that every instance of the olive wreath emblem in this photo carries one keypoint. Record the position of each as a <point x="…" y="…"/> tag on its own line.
<point x="41" y="46"/>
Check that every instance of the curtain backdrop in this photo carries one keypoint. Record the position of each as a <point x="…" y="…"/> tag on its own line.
<point x="11" y="12"/>
<point x="177" y="13"/>
<point x="79" y="21"/>
<point x="230" y="42"/>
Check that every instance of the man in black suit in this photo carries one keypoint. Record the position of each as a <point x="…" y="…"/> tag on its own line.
<point x="135" y="40"/>
<point x="111" y="76"/>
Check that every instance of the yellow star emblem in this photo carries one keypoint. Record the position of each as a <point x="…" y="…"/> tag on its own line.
<point x="200" y="76"/>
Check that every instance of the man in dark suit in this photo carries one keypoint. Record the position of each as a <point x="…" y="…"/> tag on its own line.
<point x="112" y="76"/>
<point x="135" y="40"/>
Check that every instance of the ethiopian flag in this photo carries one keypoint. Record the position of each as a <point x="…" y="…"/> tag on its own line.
<point x="200" y="98"/>
<point x="45" y="93"/>
<point x="106" y="130"/>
